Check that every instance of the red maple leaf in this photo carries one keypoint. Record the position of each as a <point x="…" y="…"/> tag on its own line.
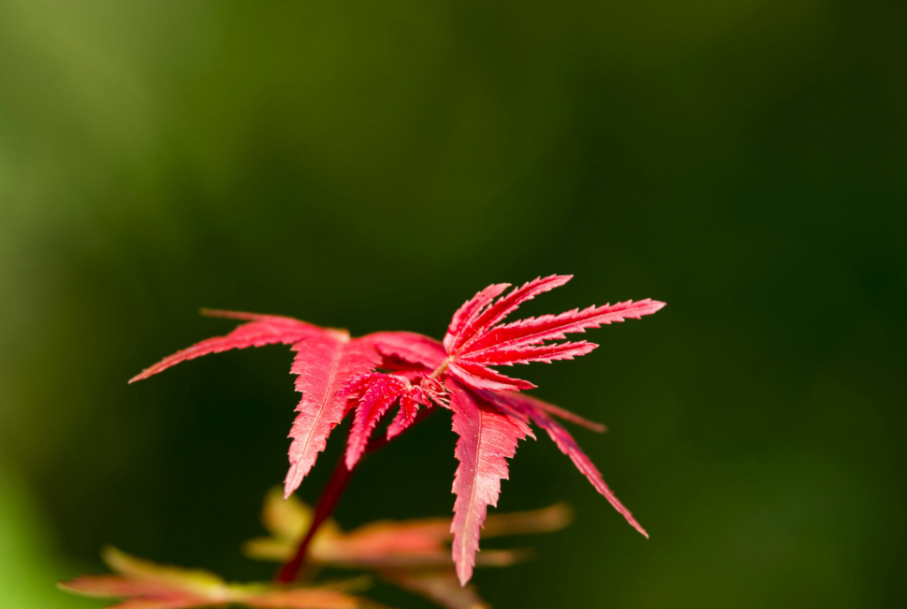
<point x="337" y="374"/>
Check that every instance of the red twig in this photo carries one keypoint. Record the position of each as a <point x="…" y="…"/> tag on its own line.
<point x="330" y="496"/>
<point x="328" y="500"/>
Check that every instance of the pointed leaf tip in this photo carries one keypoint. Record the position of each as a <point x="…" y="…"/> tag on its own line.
<point x="260" y="330"/>
<point x="562" y="413"/>
<point x="540" y="416"/>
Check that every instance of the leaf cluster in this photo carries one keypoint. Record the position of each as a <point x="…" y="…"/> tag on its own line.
<point x="369" y="375"/>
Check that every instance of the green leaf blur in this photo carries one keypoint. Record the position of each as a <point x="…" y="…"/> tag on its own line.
<point x="371" y="165"/>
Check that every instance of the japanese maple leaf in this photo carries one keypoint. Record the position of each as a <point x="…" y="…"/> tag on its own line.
<point x="489" y="414"/>
<point x="337" y="374"/>
<point x="326" y="360"/>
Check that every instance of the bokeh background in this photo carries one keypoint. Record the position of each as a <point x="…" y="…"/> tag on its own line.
<point x="373" y="164"/>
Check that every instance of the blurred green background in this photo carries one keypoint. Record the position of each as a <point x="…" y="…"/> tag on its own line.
<point x="372" y="165"/>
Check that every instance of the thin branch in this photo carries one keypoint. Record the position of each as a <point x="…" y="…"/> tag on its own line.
<point x="328" y="501"/>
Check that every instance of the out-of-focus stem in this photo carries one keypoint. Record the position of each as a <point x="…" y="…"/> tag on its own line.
<point x="329" y="499"/>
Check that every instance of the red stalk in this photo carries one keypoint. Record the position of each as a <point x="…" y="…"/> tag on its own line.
<point x="328" y="500"/>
